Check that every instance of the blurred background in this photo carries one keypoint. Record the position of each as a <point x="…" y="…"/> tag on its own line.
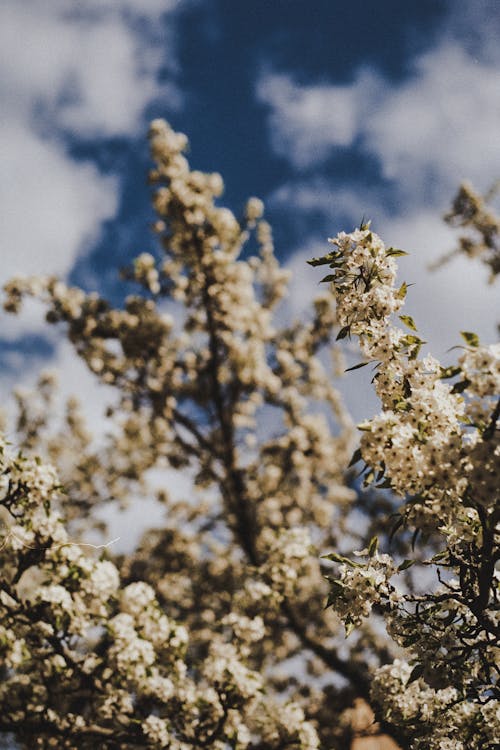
<point x="328" y="110"/>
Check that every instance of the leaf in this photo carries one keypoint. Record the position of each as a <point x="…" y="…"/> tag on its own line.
<point x="336" y="591"/>
<point x="401" y="405"/>
<point x="364" y="468"/>
<point x="330" y="600"/>
<point x="460" y="386"/>
<point x="349" y="627"/>
<point x="408" y="321"/>
<point x="414" y="539"/>
<point x="356" y="456"/>
<point x="372" y="547"/>
<point x="401" y="293"/>
<point x="369" y="479"/>
<point x="405" y="565"/>
<point x="326" y="279"/>
<point x="385" y="485"/>
<point x="410" y="339"/>
<point x="441" y="556"/>
<point x="322" y="261"/>
<point x="393" y="252"/>
<point x="357" y="367"/>
<point x="335" y="557"/>
<point x="406" y="388"/>
<point x="471" y="339"/>
<point x="416" y="350"/>
<point x="343" y="333"/>
<point x="416" y="672"/>
<point x="450" y="372"/>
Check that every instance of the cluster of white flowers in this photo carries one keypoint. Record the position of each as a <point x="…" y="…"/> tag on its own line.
<point x="68" y="627"/>
<point x="479" y="226"/>
<point x="438" y="719"/>
<point x="360" y="586"/>
<point x="437" y="446"/>
<point x="199" y="358"/>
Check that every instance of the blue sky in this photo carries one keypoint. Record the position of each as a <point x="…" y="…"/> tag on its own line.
<point x="328" y="110"/>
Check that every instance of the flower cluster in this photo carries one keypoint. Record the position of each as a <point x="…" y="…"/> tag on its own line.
<point x="88" y="658"/>
<point x="211" y="383"/>
<point x="438" y="719"/>
<point x="479" y="225"/>
<point x="360" y="586"/>
<point x="437" y="446"/>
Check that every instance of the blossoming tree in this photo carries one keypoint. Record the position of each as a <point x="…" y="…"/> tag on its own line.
<point x="209" y="383"/>
<point x="213" y="632"/>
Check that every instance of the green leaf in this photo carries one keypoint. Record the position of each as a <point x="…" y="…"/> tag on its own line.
<point x="460" y="386"/>
<point x="441" y="556"/>
<point x="416" y="672"/>
<point x="369" y="479"/>
<point x="321" y="261"/>
<point x="364" y="426"/>
<point x="450" y="372"/>
<point x="343" y="333"/>
<point x="406" y="388"/>
<point x="409" y="339"/>
<point x="336" y="591"/>
<point x="335" y="557"/>
<point x="471" y="339"/>
<point x="408" y="321"/>
<point x="356" y="456"/>
<point x="357" y="367"/>
<point x="401" y="405"/>
<point x="372" y="547"/>
<point x="330" y="600"/>
<point x="401" y="293"/>
<point x="405" y="565"/>
<point x="327" y="279"/>
<point x="349" y="627"/>
<point x="393" y="252"/>
<point x="414" y="538"/>
<point x="385" y="485"/>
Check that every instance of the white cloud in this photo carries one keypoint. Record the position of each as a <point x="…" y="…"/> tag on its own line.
<point x="92" y="72"/>
<point x="87" y="69"/>
<point x="441" y="125"/>
<point x="428" y="132"/>
<point x="50" y="204"/>
<point x="140" y="7"/>
<point x="307" y="122"/>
